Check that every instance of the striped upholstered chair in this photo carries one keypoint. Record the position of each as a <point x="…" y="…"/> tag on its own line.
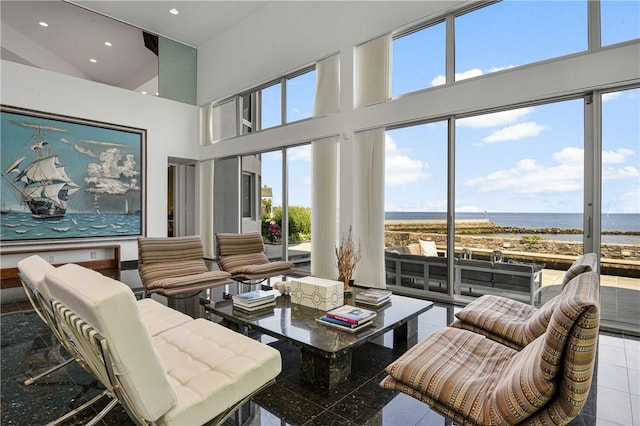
<point x="243" y="256"/>
<point x="175" y="266"/>
<point x="477" y="381"/>
<point x="511" y="322"/>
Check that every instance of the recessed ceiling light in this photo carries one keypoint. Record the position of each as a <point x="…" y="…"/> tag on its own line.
<point x="143" y="92"/>
<point x="43" y="24"/>
<point x="174" y="11"/>
<point x="92" y="60"/>
<point x="108" y="43"/>
<point x="157" y="94"/>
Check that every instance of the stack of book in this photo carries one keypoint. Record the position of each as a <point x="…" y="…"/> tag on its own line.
<point x="348" y="318"/>
<point x="253" y="301"/>
<point x="373" y="297"/>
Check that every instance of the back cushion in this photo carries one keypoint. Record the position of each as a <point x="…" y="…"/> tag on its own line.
<point x="585" y="263"/>
<point x="32" y="270"/>
<point x="161" y="250"/>
<point x="110" y="307"/>
<point x="428" y="248"/>
<point x="233" y="244"/>
<point x="564" y="354"/>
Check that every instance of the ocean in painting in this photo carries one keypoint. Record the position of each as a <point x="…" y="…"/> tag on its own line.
<point x="618" y="222"/>
<point x="18" y="226"/>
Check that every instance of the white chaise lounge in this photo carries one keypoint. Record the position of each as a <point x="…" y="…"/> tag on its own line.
<point x="162" y="369"/>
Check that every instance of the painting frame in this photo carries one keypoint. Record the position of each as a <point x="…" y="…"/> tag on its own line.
<point x="69" y="179"/>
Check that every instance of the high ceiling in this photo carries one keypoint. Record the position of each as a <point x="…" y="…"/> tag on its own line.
<point x="75" y="35"/>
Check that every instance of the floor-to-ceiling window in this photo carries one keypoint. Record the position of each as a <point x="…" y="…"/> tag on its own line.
<point x="416" y="207"/>
<point x="299" y="206"/>
<point x="519" y="189"/>
<point x="620" y="234"/>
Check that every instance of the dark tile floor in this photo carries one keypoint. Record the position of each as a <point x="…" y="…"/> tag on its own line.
<point x="28" y="347"/>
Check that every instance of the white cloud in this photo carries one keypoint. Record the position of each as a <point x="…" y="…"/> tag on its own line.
<point x="610" y="96"/>
<point x="474" y="72"/>
<point x="496" y="69"/>
<point x="441" y="79"/>
<point x="495" y="119"/>
<point x="569" y="155"/>
<point x="468" y="209"/>
<point x="528" y="176"/>
<point x="299" y="153"/>
<point x="114" y="175"/>
<point x="400" y="169"/>
<point x="611" y="173"/>
<point x="515" y="132"/>
<point x="618" y="156"/>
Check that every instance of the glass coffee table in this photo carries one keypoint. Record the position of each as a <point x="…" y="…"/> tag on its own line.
<point x="326" y="351"/>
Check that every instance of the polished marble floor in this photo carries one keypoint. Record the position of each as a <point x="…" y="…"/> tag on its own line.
<point x="28" y="347"/>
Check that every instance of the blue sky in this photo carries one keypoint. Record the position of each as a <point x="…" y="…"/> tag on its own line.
<point x="533" y="154"/>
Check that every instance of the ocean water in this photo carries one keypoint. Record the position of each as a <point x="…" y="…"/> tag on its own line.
<point x="629" y="222"/>
<point x="23" y="226"/>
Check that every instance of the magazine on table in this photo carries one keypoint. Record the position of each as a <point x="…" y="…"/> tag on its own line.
<point x="351" y="314"/>
<point x="255" y="308"/>
<point x="373" y="295"/>
<point x="256" y="297"/>
<point x="341" y="325"/>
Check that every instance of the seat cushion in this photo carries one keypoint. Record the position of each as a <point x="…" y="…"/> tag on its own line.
<point x="194" y="282"/>
<point x="507" y="321"/>
<point x="211" y="368"/>
<point x="453" y="367"/>
<point x="158" y="317"/>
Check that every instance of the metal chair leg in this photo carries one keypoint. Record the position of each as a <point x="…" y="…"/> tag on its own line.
<point x="81" y="408"/>
<point x="33" y="379"/>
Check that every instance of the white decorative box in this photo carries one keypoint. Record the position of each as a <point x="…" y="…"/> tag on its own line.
<point x="319" y="293"/>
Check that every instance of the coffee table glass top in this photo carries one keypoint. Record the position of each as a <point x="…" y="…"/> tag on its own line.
<point x="298" y="324"/>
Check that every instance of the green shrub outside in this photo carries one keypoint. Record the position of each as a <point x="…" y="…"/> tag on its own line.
<point x="299" y="223"/>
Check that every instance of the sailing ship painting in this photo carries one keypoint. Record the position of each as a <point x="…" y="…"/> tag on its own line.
<point x="43" y="184"/>
<point x="69" y="178"/>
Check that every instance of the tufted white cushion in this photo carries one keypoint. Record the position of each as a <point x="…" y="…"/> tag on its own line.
<point x="110" y="307"/>
<point x="158" y="317"/>
<point x="211" y="368"/>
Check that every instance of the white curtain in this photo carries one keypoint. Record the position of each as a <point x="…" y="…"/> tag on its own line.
<point x="327" y="86"/>
<point x="373" y="68"/>
<point x="369" y="206"/>
<point x="324" y="170"/>
<point x="207" y="119"/>
<point x="206" y="207"/>
<point x="221" y="121"/>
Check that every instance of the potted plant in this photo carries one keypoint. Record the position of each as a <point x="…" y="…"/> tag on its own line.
<point x="347" y="256"/>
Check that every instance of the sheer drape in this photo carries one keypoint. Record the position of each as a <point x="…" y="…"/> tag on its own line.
<point x="206" y="207"/>
<point x="369" y="206"/>
<point x="373" y="68"/>
<point x="327" y="86"/>
<point x="324" y="169"/>
<point x="223" y="121"/>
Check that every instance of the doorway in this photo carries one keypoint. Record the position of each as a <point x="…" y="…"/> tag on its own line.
<point x="181" y="197"/>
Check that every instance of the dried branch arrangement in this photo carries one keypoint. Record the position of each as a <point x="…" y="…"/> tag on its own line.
<point x="347" y="256"/>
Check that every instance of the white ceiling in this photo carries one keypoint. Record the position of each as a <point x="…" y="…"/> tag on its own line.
<point x="75" y="34"/>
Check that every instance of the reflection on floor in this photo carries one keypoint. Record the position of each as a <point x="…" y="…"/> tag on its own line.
<point x="28" y="347"/>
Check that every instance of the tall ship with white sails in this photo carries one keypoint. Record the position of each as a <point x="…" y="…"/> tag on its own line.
<point x="43" y="183"/>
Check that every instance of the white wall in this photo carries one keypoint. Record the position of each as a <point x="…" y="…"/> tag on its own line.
<point x="285" y="35"/>
<point x="172" y="128"/>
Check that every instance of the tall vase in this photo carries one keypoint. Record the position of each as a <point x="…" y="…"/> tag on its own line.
<point x="347" y="286"/>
